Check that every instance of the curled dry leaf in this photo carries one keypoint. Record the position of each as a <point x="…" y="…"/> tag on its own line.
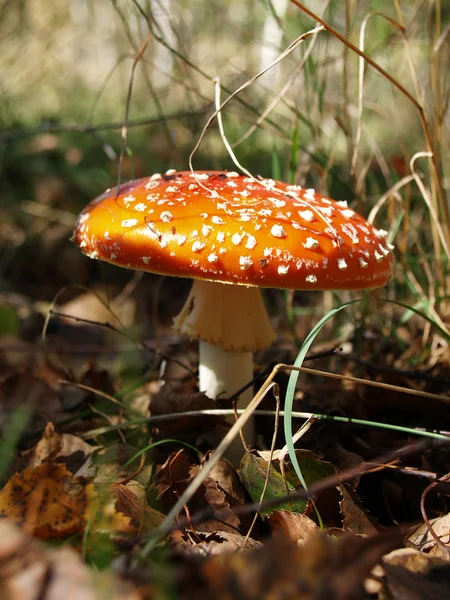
<point x="222" y="492"/>
<point x="219" y="500"/>
<point x="29" y="570"/>
<point x="172" y="478"/>
<point x="224" y="474"/>
<point x="63" y="448"/>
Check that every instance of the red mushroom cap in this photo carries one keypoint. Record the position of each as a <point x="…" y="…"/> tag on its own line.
<point x="226" y="227"/>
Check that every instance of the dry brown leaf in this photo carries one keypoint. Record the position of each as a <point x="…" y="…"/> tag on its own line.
<point x="53" y="445"/>
<point x="414" y="561"/>
<point x="424" y="540"/>
<point x="354" y="518"/>
<point x="100" y="308"/>
<point x="295" y="526"/>
<point x="46" y="501"/>
<point x="198" y="543"/>
<point x="346" y="459"/>
<point x="172" y="477"/>
<point x="224" y="474"/>
<point x="132" y="502"/>
<point x="413" y="575"/>
<point x="218" y="501"/>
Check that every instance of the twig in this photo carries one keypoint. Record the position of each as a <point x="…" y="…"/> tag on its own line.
<point x="416" y="374"/>
<point x="51" y="127"/>
<point x="430" y="528"/>
<point x="139" y="55"/>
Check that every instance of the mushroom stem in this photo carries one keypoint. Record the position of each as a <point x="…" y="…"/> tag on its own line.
<point x="224" y="372"/>
<point x="231" y="322"/>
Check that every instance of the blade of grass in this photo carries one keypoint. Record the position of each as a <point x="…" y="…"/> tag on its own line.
<point x="292" y="384"/>
<point x="293" y="378"/>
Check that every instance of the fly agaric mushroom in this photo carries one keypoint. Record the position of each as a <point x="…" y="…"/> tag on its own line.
<point x="225" y="228"/>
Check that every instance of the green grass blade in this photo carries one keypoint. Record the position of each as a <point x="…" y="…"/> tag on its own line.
<point x="293" y="383"/>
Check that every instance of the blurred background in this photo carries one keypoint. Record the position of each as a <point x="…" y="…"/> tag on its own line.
<point x="322" y="117"/>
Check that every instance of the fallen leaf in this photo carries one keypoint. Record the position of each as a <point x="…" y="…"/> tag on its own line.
<point x="224" y="474"/>
<point x="46" y="501"/>
<point x="295" y="526"/>
<point x="201" y="544"/>
<point x="100" y="308"/>
<point x="355" y="519"/>
<point x="413" y="575"/>
<point x="131" y="500"/>
<point x="424" y="540"/>
<point x="253" y="474"/>
<point x="172" y="478"/>
<point x="414" y="561"/>
<point x="104" y="517"/>
<point x="62" y="448"/>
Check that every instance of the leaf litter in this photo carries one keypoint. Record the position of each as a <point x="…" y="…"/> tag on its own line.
<point x="85" y="504"/>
